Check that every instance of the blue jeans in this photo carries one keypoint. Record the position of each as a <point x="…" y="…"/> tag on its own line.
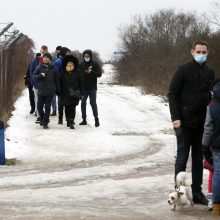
<point x="216" y="178"/>
<point x="92" y="97"/>
<point x="186" y="139"/>
<point x="54" y="103"/>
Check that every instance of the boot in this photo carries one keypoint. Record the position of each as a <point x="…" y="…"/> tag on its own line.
<point x="71" y="124"/>
<point x="53" y="113"/>
<point x="60" y="121"/>
<point x="200" y="198"/>
<point x="84" y="122"/>
<point x="215" y="209"/>
<point x="45" y="126"/>
<point x="97" y="124"/>
<point x="67" y="122"/>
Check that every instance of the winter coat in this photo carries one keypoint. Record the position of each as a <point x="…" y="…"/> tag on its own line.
<point x="35" y="62"/>
<point x="58" y="64"/>
<point x="49" y="84"/>
<point x="189" y="93"/>
<point x="70" y="81"/>
<point x="27" y="77"/>
<point x="90" y="80"/>
<point x="211" y="136"/>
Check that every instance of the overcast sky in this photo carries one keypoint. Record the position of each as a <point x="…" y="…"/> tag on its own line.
<point x="82" y="24"/>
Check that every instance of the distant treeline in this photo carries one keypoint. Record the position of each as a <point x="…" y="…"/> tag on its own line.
<point x="155" y="45"/>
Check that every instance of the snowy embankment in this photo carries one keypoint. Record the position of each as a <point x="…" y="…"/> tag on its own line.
<point x="121" y="170"/>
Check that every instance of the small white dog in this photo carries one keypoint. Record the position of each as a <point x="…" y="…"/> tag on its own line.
<point x="183" y="179"/>
<point x="182" y="195"/>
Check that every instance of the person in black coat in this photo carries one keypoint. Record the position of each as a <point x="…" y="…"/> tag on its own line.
<point x="48" y="83"/>
<point x="27" y="82"/>
<point x="91" y="71"/>
<point x="189" y="94"/>
<point x="72" y="87"/>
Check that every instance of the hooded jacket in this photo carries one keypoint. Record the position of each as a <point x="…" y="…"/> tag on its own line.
<point x="211" y="136"/>
<point x="90" y="80"/>
<point x="70" y="81"/>
<point x="49" y="84"/>
<point x="189" y="93"/>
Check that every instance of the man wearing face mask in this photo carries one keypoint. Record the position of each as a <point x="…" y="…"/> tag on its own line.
<point x="189" y="94"/>
<point x="91" y="71"/>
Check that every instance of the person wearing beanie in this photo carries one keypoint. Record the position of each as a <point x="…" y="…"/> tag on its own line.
<point x="71" y="88"/>
<point x="47" y="79"/>
<point x="58" y="63"/>
<point x="91" y="70"/>
<point x="211" y="140"/>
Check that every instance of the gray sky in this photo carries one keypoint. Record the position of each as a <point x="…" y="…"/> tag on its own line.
<point x="82" y="24"/>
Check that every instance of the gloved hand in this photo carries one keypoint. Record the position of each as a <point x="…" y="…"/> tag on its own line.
<point x="42" y="74"/>
<point x="207" y="154"/>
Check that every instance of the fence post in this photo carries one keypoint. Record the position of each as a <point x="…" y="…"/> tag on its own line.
<point x="2" y="143"/>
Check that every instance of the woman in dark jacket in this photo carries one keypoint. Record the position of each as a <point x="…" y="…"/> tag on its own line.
<point x="72" y="87"/>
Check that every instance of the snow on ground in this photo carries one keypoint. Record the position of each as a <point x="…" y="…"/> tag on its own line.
<point x="121" y="170"/>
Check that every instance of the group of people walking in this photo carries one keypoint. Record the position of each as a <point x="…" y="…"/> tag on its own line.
<point x="193" y="88"/>
<point x="60" y="74"/>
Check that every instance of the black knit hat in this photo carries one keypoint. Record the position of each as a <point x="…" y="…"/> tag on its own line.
<point x="58" y="47"/>
<point x="48" y="55"/>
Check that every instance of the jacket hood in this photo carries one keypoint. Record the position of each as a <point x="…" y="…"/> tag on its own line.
<point x="70" y="58"/>
<point x="216" y="91"/>
<point x="63" y="51"/>
<point x="87" y="52"/>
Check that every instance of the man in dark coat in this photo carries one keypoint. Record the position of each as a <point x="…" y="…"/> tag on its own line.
<point x="72" y="88"/>
<point x="47" y="79"/>
<point x="27" y="79"/>
<point x="91" y="71"/>
<point x="189" y="94"/>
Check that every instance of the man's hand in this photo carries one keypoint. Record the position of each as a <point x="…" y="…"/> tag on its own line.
<point x="207" y="154"/>
<point x="177" y="124"/>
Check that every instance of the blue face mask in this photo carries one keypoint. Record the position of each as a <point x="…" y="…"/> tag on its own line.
<point x="87" y="59"/>
<point x="200" y="58"/>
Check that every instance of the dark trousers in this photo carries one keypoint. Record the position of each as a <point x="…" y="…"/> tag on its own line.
<point x="70" y="111"/>
<point x="43" y="107"/>
<point x="186" y="139"/>
<point x="92" y="97"/>
<point x="31" y="97"/>
<point x="60" y="110"/>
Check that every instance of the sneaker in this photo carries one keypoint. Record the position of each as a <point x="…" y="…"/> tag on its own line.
<point x="209" y="197"/>
<point x="53" y="113"/>
<point x="200" y="198"/>
<point x="97" y="124"/>
<point x="45" y="127"/>
<point x="38" y="120"/>
<point x="84" y="122"/>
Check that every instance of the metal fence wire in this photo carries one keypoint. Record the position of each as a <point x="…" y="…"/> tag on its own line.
<point x="15" y="53"/>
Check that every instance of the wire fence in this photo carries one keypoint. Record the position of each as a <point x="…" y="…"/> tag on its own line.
<point x="15" y="53"/>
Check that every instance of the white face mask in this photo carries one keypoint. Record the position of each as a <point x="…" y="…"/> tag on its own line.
<point x="200" y="58"/>
<point x="87" y="59"/>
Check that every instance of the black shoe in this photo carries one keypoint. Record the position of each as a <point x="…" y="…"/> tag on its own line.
<point x="84" y="122"/>
<point x="53" y="113"/>
<point x="97" y="124"/>
<point x="72" y="126"/>
<point x="60" y="121"/>
<point x="38" y="120"/>
<point x="68" y="123"/>
<point x="45" y="127"/>
<point x="200" y="198"/>
<point x="32" y="111"/>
